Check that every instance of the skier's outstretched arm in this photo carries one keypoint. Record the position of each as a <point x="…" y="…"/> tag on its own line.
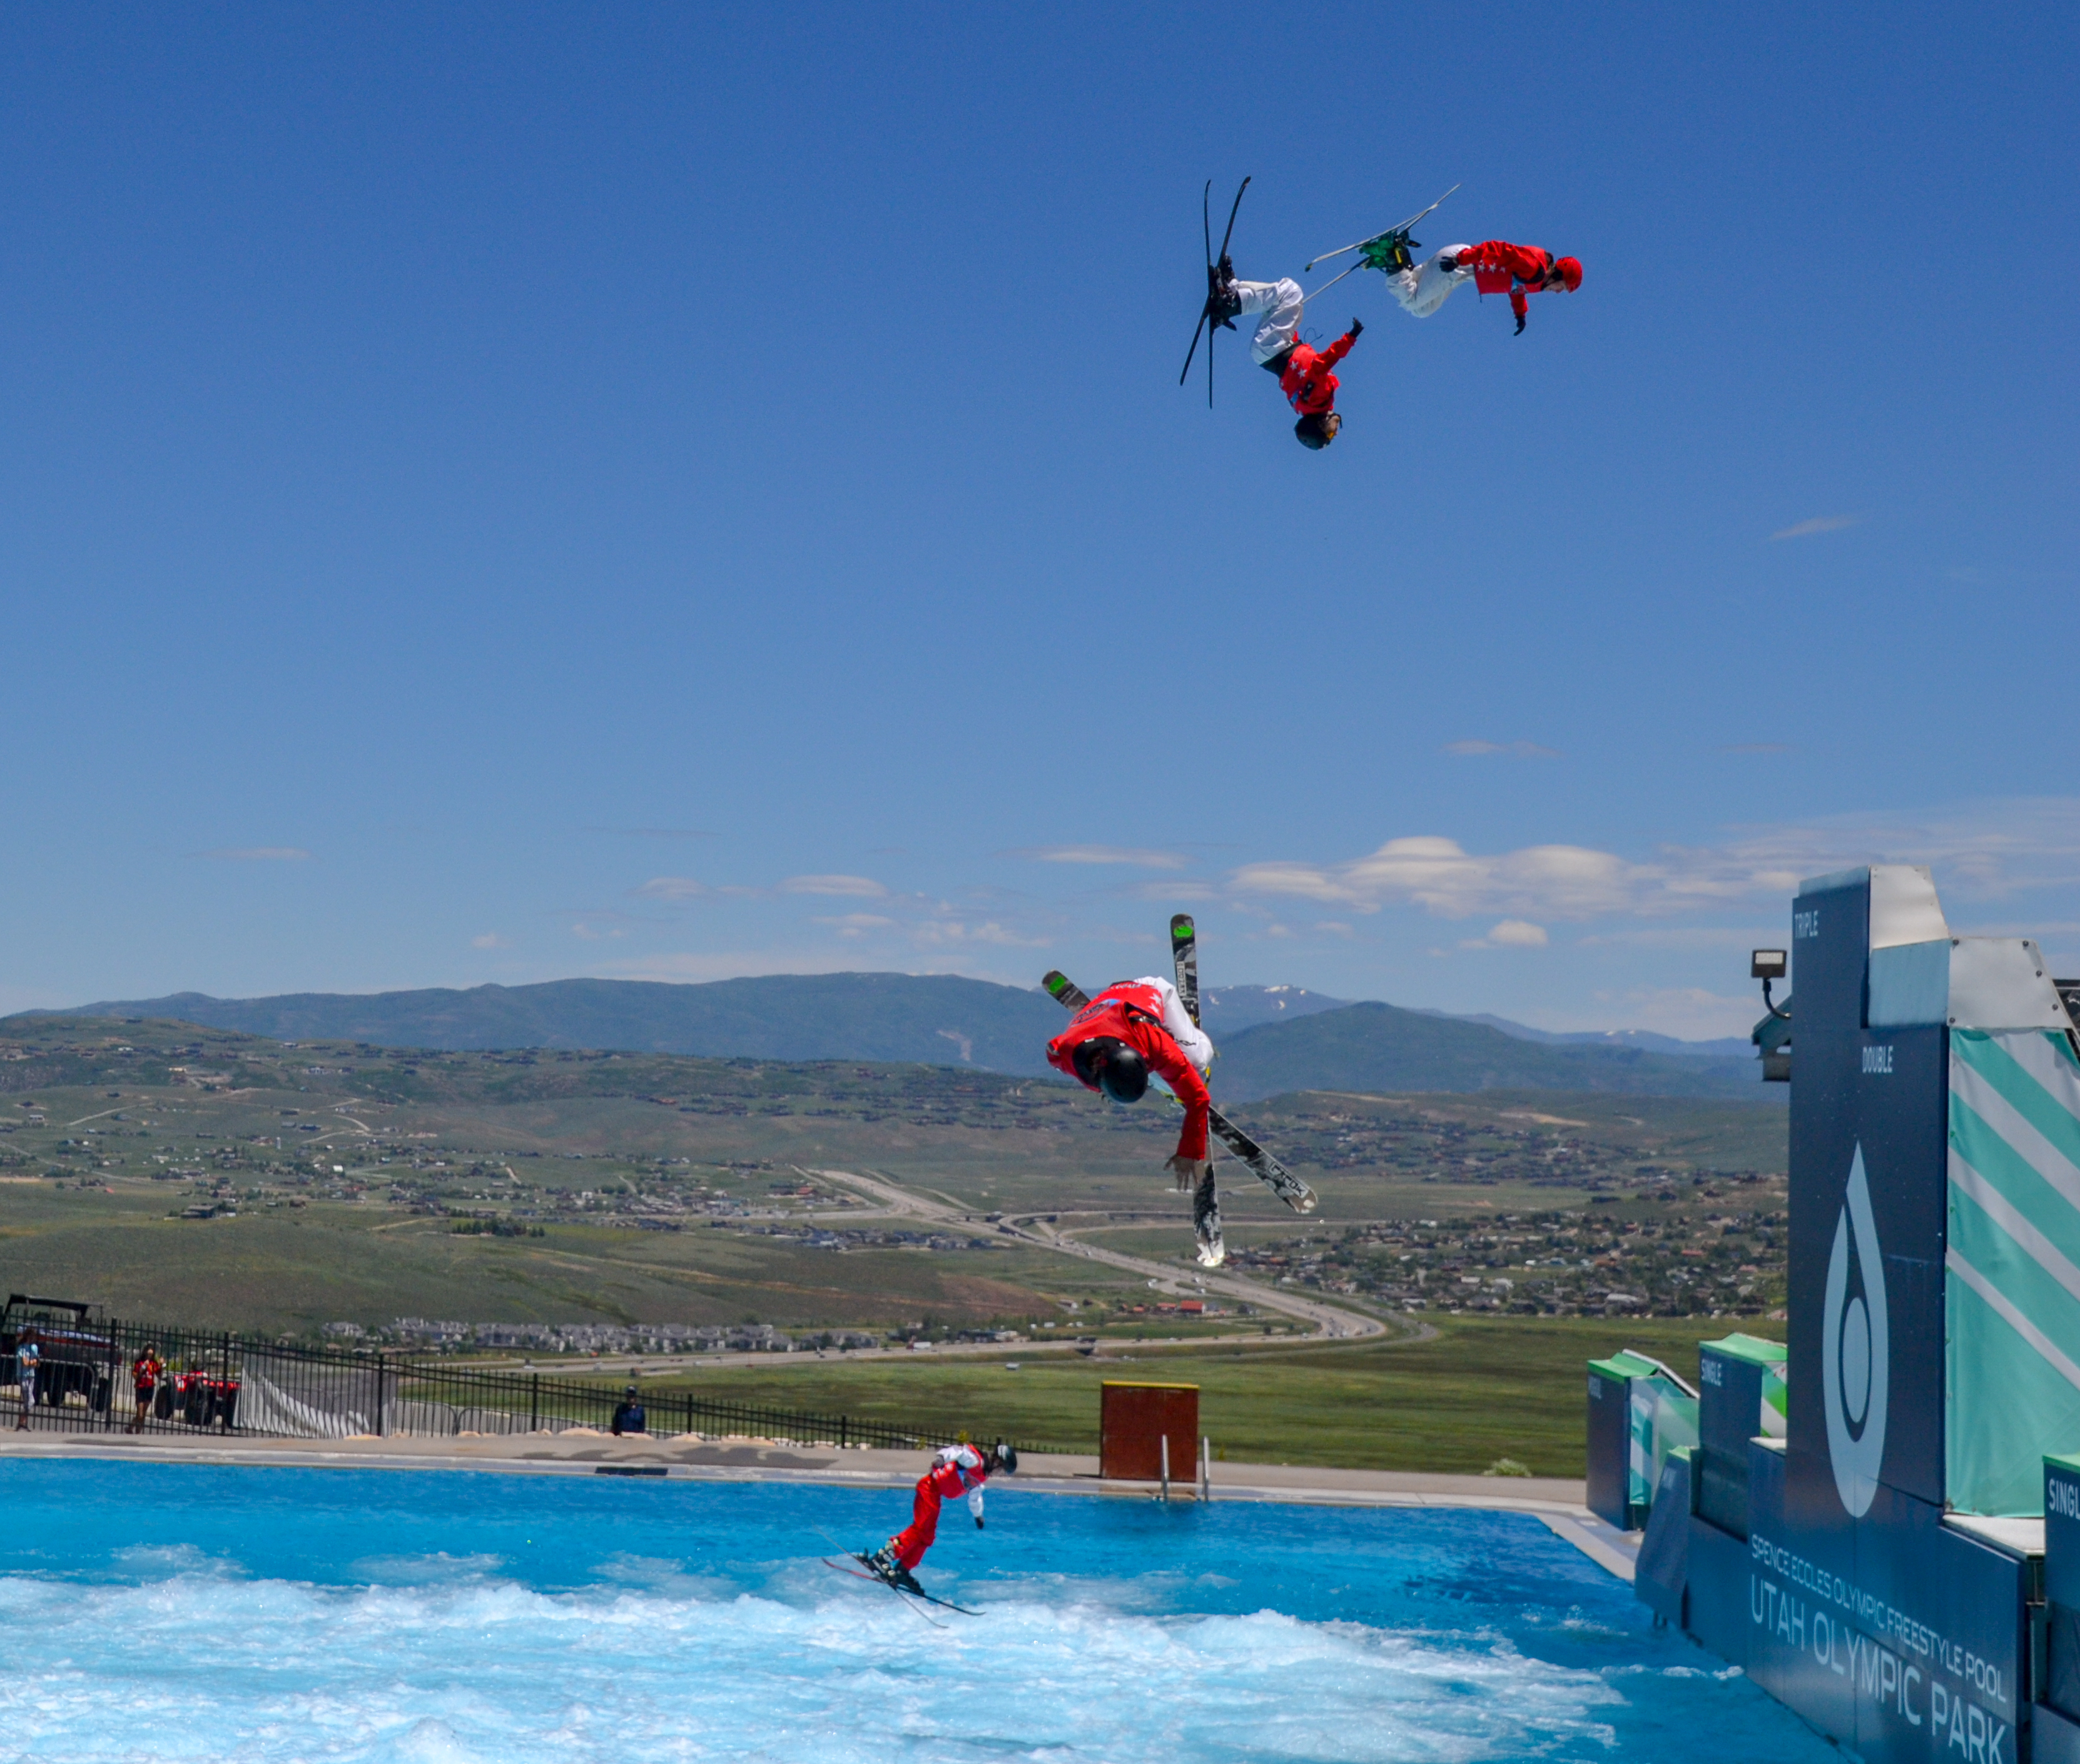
<point x="1190" y="1089"/>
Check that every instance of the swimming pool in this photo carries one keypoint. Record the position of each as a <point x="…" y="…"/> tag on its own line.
<point x="195" y="1611"/>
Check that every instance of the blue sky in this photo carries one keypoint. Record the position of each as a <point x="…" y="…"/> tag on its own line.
<point x="495" y="494"/>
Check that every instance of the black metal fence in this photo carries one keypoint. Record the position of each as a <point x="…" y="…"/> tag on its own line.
<point x="215" y="1382"/>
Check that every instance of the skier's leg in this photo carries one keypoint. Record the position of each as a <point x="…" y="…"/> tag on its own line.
<point x="1278" y="303"/>
<point x="1422" y="289"/>
<point x="1198" y="1048"/>
<point x="915" y="1538"/>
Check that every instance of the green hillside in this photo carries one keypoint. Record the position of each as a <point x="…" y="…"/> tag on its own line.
<point x="1378" y="1048"/>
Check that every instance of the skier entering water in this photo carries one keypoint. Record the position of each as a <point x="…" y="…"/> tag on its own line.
<point x="956" y="1470"/>
<point x="1132" y="1028"/>
<point x="1493" y="266"/>
<point x="1303" y="371"/>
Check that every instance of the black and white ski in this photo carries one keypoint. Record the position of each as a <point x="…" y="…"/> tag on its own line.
<point x="1205" y="1192"/>
<point x="907" y="1592"/>
<point x="1267" y="1169"/>
<point x="1065" y="991"/>
<point x="1184" y="957"/>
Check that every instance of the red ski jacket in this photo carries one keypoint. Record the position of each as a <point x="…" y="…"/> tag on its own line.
<point x="953" y="1479"/>
<point x="1134" y="1014"/>
<point x="1500" y="267"/>
<point x="1309" y="386"/>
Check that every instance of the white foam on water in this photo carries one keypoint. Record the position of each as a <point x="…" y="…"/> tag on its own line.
<point x="458" y="1666"/>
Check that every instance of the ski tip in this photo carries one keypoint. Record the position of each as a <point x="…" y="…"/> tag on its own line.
<point x="1307" y="1202"/>
<point x="1055" y="982"/>
<point x="1181" y="927"/>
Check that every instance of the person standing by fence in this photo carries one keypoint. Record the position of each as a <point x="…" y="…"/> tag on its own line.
<point x="28" y="1358"/>
<point x="629" y="1417"/>
<point x="145" y="1371"/>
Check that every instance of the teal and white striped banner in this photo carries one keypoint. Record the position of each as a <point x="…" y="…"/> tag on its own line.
<point x="2011" y="1300"/>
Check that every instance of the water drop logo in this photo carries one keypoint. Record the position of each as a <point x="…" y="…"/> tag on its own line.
<point x="1855" y="1356"/>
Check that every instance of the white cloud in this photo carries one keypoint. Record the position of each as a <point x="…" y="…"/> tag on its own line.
<point x="259" y="854"/>
<point x="1510" y="934"/>
<point x="490" y="940"/>
<point x="1521" y="750"/>
<point x="594" y="933"/>
<point x="935" y="933"/>
<point x="1982" y="850"/>
<point x="1820" y="523"/>
<point x="671" y="888"/>
<point x="1139" y="857"/>
<point x="1173" y="890"/>
<point x="1566" y="882"/>
<point x="857" y="924"/>
<point x="864" y="887"/>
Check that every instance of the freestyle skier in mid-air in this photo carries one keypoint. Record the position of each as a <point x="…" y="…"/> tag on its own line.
<point x="1131" y="1029"/>
<point x="957" y="1470"/>
<point x="1493" y="266"/>
<point x="1305" y="373"/>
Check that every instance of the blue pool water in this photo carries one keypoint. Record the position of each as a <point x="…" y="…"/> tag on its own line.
<point x="189" y="1611"/>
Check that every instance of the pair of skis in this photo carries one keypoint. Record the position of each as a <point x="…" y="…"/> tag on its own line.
<point x="1205" y="1196"/>
<point x="1387" y="251"/>
<point x="903" y="1593"/>
<point x="1214" y="266"/>
<point x="867" y="1571"/>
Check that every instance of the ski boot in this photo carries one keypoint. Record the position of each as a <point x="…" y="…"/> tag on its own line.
<point x="1223" y="304"/>
<point x="1391" y="252"/>
<point x="883" y="1562"/>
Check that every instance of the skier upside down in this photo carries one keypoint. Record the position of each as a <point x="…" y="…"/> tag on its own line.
<point x="1136" y="1026"/>
<point x="1305" y="373"/>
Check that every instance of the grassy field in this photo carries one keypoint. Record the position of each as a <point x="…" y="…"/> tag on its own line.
<point x="1482" y="1389"/>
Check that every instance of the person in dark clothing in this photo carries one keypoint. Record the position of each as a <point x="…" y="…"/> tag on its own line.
<point x="629" y="1417"/>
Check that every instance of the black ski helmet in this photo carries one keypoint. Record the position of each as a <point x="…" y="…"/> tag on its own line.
<point x="1310" y="431"/>
<point x="1106" y="1063"/>
<point x="1123" y="1076"/>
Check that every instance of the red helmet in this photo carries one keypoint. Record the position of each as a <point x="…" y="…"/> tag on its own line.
<point x="1570" y="272"/>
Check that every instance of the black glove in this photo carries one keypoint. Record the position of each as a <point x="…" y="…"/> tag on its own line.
<point x="1518" y="331"/>
<point x="1446" y="262"/>
<point x="1357" y="328"/>
<point x="978" y="1521"/>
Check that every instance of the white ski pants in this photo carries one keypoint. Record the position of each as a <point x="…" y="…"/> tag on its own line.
<point x="1279" y="303"/>
<point x="1188" y="1035"/>
<point x="1423" y="289"/>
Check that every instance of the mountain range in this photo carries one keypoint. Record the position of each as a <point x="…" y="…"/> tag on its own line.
<point x="1271" y="1038"/>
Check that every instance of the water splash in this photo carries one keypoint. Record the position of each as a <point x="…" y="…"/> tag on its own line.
<point x="210" y="1613"/>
